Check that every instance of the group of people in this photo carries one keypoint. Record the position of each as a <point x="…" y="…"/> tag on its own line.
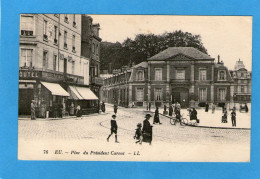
<point x="57" y="110"/>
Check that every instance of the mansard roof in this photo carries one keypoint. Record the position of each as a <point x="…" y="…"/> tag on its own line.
<point x="143" y="64"/>
<point x="187" y="51"/>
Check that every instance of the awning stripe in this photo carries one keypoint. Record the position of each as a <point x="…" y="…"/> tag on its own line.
<point x="55" y="89"/>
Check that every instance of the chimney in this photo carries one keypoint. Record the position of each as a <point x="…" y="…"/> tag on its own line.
<point x="218" y="59"/>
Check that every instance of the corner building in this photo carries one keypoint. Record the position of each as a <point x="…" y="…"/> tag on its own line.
<point x="50" y="64"/>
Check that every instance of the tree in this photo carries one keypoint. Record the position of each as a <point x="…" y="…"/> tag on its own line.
<point x="145" y="46"/>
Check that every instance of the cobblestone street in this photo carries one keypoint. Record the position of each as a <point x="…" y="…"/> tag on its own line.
<point x="170" y="143"/>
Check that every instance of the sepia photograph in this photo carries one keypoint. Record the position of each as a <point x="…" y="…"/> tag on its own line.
<point x="164" y="88"/>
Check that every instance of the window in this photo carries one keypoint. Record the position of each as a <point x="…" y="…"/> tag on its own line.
<point x="97" y="49"/>
<point x="65" y="39"/>
<point x="26" y="57"/>
<point x="45" y="59"/>
<point x="55" y="63"/>
<point x="93" y="48"/>
<point x="242" y="89"/>
<point x="73" y="43"/>
<point x="202" y="94"/>
<point x="222" y="75"/>
<point x="158" y="74"/>
<point x="55" y="34"/>
<point x="222" y="94"/>
<point x="158" y="94"/>
<point x="140" y="76"/>
<point x="139" y="94"/>
<point x="180" y="74"/>
<point x="74" y="20"/>
<point x="242" y="74"/>
<point x="27" y="25"/>
<point x="66" y="19"/>
<point x="203" y="74"/>
<point x="73" y="67"/>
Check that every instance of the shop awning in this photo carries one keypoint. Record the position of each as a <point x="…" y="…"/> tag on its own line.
<point x="82" y="93"/>
<point x="55" y="89"/>
<point x="74" y="94"/>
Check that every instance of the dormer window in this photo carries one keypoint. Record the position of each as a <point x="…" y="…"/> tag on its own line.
<point x="222" y="75"/>
<point x="140" y="75"/>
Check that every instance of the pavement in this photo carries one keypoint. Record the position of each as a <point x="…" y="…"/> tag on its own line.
<point x="170" y="143"/>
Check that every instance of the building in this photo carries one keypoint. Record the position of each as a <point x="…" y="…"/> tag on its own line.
<point x="51" y="68"/>
<point x="91" y="49"/>
<point x="242" y="83"/>
<point x="177" y="74"/>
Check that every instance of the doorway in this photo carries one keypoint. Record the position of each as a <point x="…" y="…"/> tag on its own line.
<point x="181" y="95"/>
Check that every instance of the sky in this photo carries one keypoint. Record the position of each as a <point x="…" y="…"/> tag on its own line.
<point x="227" y="36"/>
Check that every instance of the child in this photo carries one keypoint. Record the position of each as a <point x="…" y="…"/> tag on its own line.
<point x="138" y="133"/>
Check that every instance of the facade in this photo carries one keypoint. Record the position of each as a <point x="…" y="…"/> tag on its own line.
<point x="177" y="74"/>
<point x="50" y="62"/>
<point x="90" y="49"/>
<point x="242" y="83"/>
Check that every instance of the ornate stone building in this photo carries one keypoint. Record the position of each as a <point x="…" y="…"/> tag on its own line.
<point x="182" y="74"/>
<point x="242" y="83"/>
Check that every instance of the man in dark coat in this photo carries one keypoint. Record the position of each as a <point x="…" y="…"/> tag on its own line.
<point x="147" y="129"/>
<point x="170" y="110"/>
<point x="156" y="118"/>
<point x="206" y="107"/>
<point x="149" y="106"/>
<point x="233" y="118"/>
<point x="113" y="128"/>
<point x="103" y="107"/>
<point x="115" y="108"/>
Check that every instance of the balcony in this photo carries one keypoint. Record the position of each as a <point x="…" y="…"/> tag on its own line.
<point x="27" y="33"/>
<point x="180" y="81"/>
<point x="74" y="24"/>
<point x="55" y="41"/>
<point x="65" y="46"/>
<point x="74" y="49"/>
<point x="54" y="76"/>
<point x="96" y="80"/>
<point x="45" y="37"/>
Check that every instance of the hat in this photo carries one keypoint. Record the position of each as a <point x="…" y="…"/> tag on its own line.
<point x="113" y="115"/>
<point x="148" y="115"/>
<point x="139" y="124"/>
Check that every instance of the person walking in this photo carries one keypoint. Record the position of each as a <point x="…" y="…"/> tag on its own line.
<point x="170" y="110"/>
<point x="149" y="106"/>
<point x="115" y="108"/>
<point x="147" y="130"/>
<point x="103" y="107"/>
<point x="156" y="118"/>
<point x="213" y="108"/>
<point x="78" y="111"/>
<point x="113" y="128"/>
<point x="206" y="107"/>
<point x="233" y="118"/>
<point x="33" y="110"/>
<point x="72" y="109"/>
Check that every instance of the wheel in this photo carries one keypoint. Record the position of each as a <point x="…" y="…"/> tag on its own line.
<point x="172" y="121"/>
<point x="184" y="121"/>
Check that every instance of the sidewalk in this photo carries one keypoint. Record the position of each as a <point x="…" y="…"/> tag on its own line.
<point x="65" y="117"/>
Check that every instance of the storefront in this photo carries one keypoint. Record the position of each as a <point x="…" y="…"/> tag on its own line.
<point x="83" y="96"/>
<point x="52" y="98"/>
